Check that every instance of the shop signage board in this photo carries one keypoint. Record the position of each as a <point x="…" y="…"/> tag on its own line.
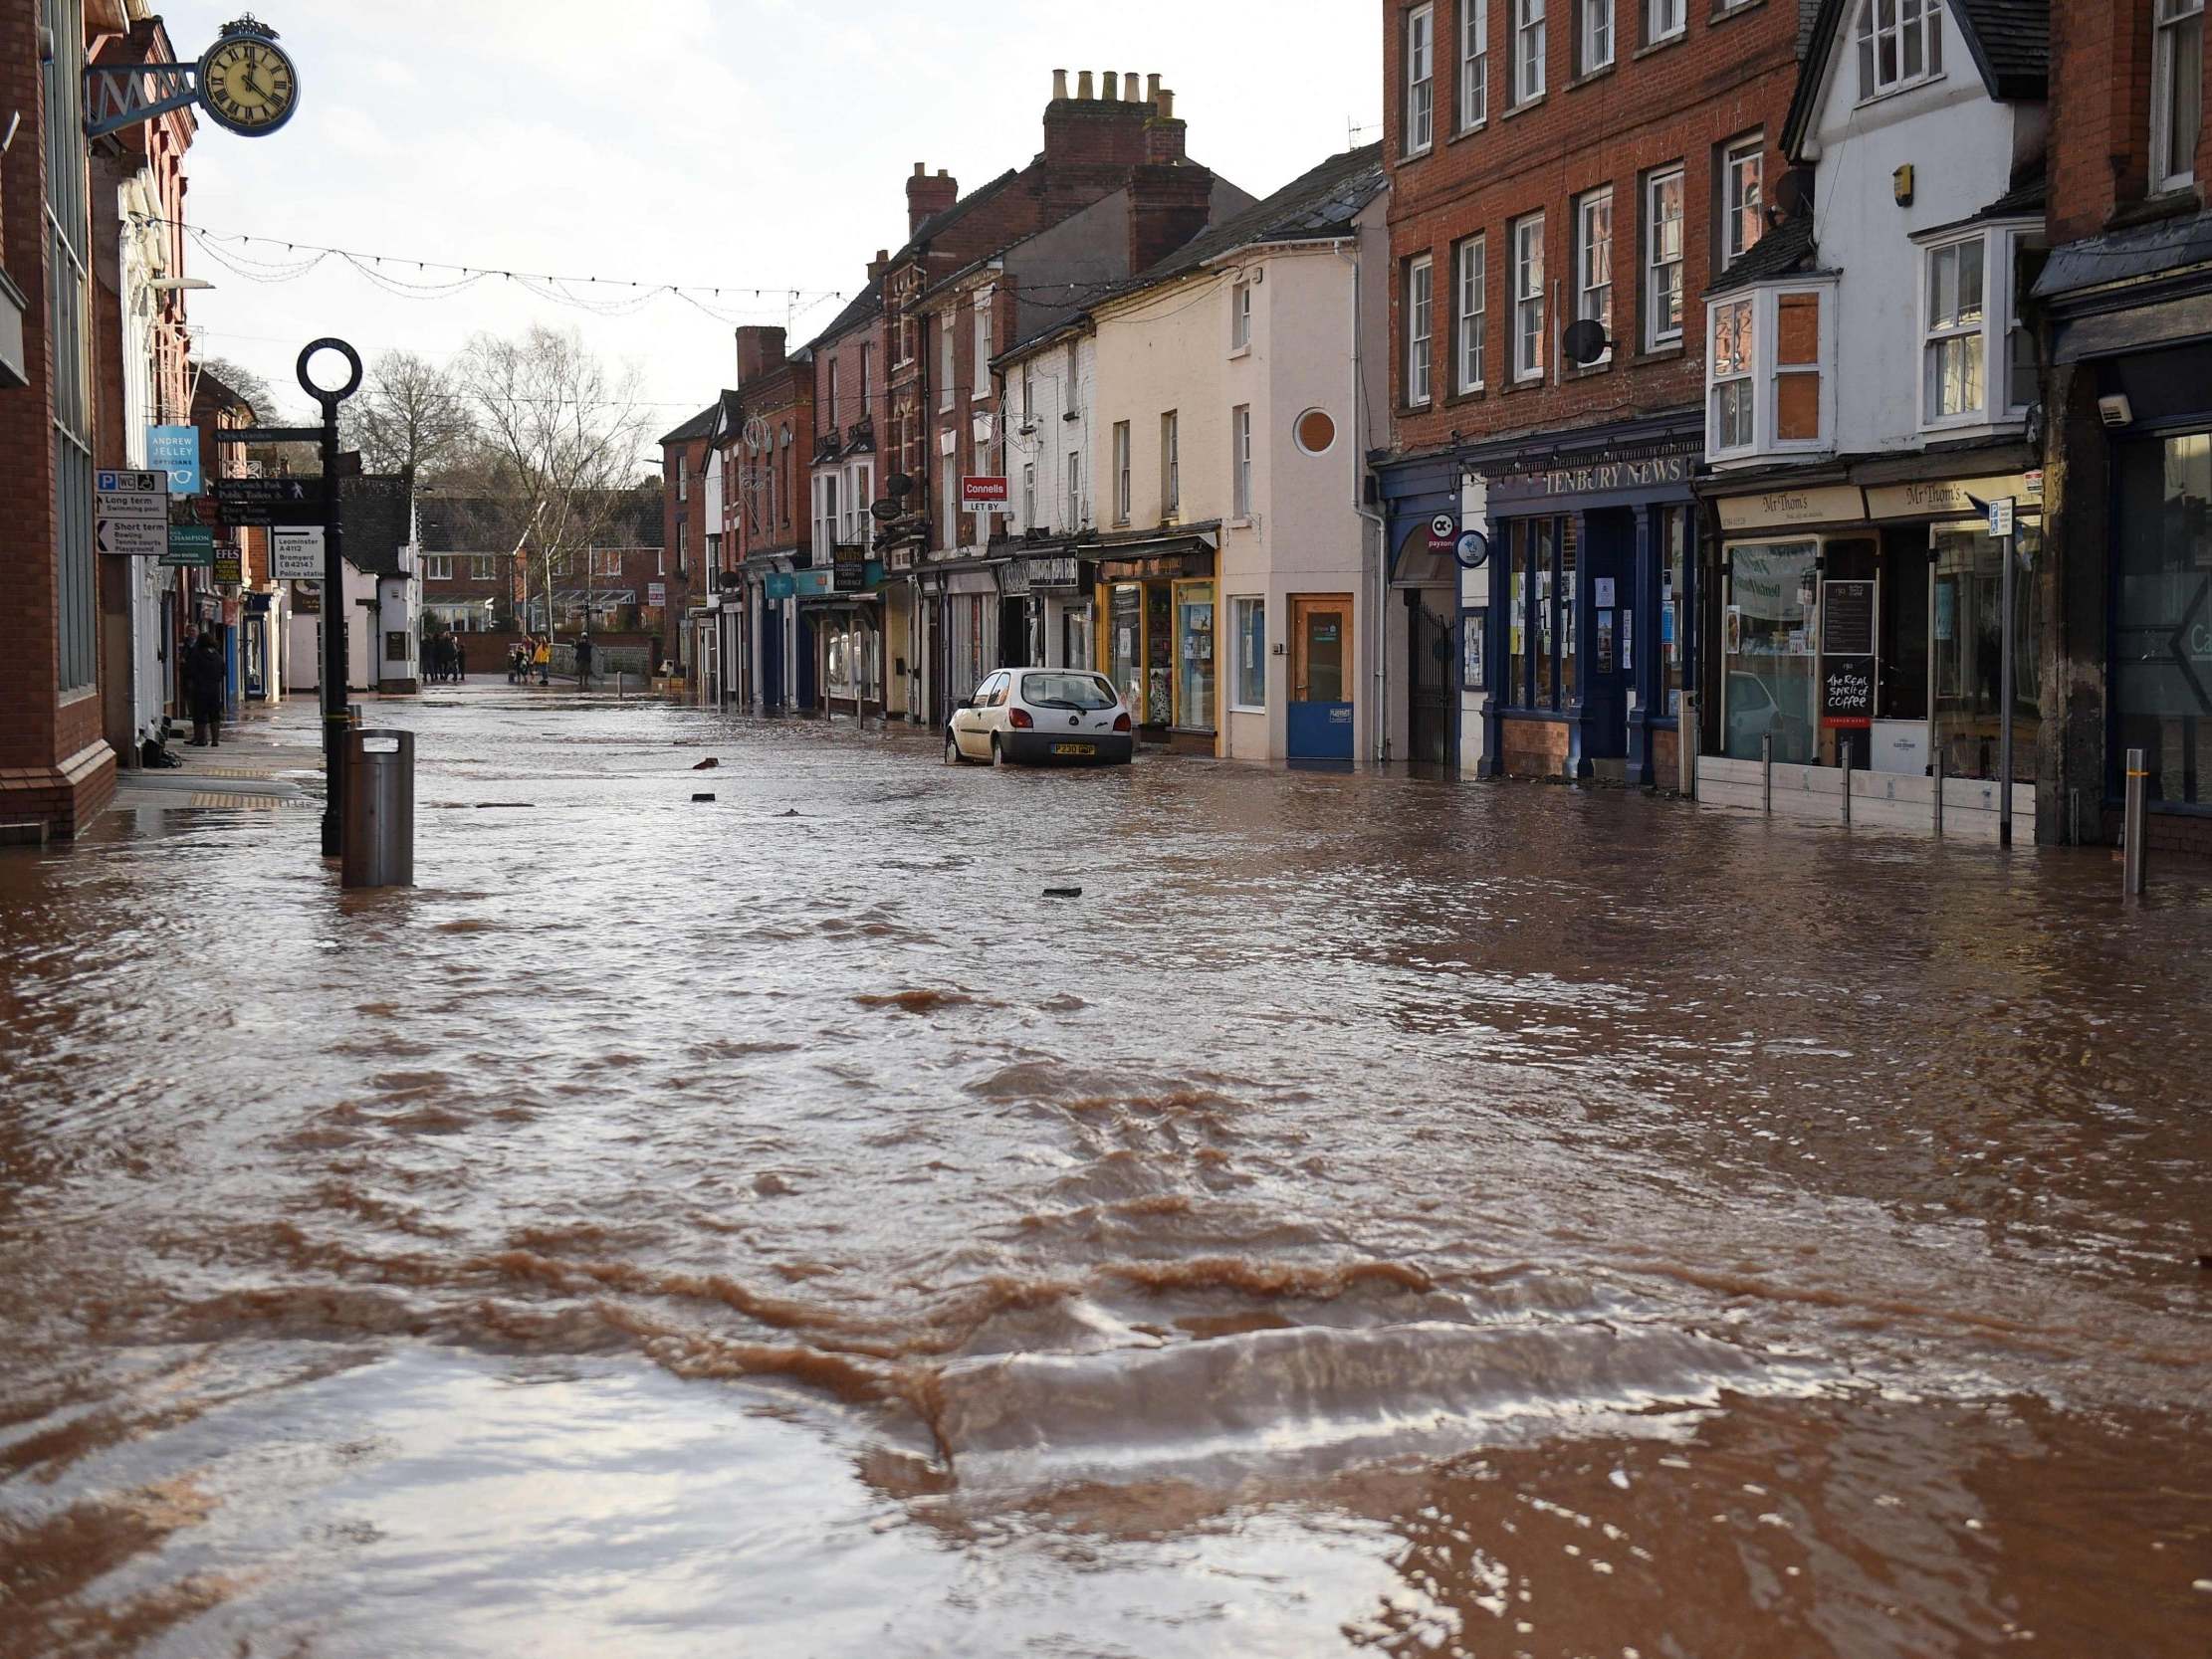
<point x="2000" y="516"/>
<point x="1847" y="655"/>
<point x="131" y="513"/>
<point x="296" y="553"/>
<point x="1055" y="571"/>
<point x="1946" y="498"/>
<point x="1444" y="534"/>
<point x="1833" y="503"/>
<point x="656" y="595"/>
<point x="230" y="566"/>
<point x="850" y="571"/>
<point x="983" y="494"/>
<point x="177" y="448"/>
<point x="1595" y="477"/>
<point x="247" y="502"/>
<point x="778" y="584"/>
<point x="190" y="545"/>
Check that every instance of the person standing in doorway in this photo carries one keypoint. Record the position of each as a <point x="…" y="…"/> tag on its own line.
<point x="584" y="662"/>
<point x="204" y="687"/>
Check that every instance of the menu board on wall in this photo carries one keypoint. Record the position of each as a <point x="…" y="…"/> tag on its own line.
<point x="1847" y="637"/>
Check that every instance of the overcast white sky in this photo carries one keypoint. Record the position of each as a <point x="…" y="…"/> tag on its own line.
<point x="732" y="143"/>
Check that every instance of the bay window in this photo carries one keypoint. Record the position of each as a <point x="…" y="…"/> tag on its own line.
<point x="2176" y="92"/>
<point x="1769" y="388"/>
<point x="1978" y="361"/>
<point x="1474" y="64"/>
<point x="1420" y="329"/>
<point x="1529" y="297"/>
<point x="1473" y="285"/>
<point x="1662" y="259"/>
<point x="1420" y="80"/>
<point x="1900" y="43"/>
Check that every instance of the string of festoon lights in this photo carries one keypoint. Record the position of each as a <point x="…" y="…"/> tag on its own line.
<point x="268" y="259"/>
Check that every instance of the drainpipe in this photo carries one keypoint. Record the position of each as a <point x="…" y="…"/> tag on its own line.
<point x="1379" y="709"/>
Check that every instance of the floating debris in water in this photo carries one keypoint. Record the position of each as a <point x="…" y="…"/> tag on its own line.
<point x="704" y="795"/>
<point x="1063" y="893"/>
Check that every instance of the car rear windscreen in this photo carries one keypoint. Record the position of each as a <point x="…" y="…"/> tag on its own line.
<point x="1066" y="691"/>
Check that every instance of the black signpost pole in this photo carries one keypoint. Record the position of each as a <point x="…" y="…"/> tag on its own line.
<point x="333" y="591"/>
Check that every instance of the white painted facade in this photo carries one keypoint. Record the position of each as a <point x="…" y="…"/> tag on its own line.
<point x="1174" y="347"/>
<point x="1960" y="147"/>
<point x="1049" y="414"/>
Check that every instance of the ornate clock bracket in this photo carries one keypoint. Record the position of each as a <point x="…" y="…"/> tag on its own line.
<point x="118" y="95"/>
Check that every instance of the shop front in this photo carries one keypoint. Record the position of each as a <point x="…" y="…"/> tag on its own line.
<point x="840" y="616"/>
<point x="1860" y="627"/>
<point x="1155" y="607"/>
<point x="1054" y="589"/>
<point x="1593" y="582"/>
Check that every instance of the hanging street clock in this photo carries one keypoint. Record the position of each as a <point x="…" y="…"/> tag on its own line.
<point x="247" y="82"/>
<point x="244" y="81"/>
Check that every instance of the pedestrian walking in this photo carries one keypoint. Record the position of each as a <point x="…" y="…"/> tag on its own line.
<point x="460" y="660"/>
<point x="584" y="662"/>
<point x="205" y="679"/>
<point x="543" y="656"/>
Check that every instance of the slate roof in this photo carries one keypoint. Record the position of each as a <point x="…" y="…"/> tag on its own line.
<point x="379" y="521"/>
<point x="937" y="224"/>
<point x="2168" y="245"/>
<point x="858" y="309"/>
<point x="697" y="427"/>
<point x="2010" y="41"/>
<point x="1787" y="250"/>
<point x="1322" y="203"/>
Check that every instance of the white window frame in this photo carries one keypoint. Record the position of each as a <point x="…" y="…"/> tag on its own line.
<point x="1935" y="335"/>
<point x="1241" y="461"/>
<point x="982" y="388"/>
<point x="1074" y="489"/>
<point x="1028" y="395"/>
<point x="1593" y="270"/>
<point x="1240" y="317"/>
<point x="859" y="492"/>
<point x="1898" y="26"/>
<point x="683" y="478"/>
<point x="1762" y="373"/>
<point x="1171" y="463"/>
<point x="1742" y="371"/>
<point x="2013" y="241"/>
<point x="2170" y="171"/>
<point x="1030" y="495"/>
<point x="1530" y="38"/>
<point x="1474" y="64"/>
<point x="945" y="348"/>
<point x="1744" y="158"/>
<point x="1593" y="36"/>
<point x="1421" y="81"/>
<point x="949" y="509"/>
<point x="1528" y="299"/>
<point x="608" y="563"/>
<point x="438" y="567"/>
<point x="1240" y="606"/>
<point x="1420" y="330"/>
<point x="1472" y="284"/>
<point x="1664" y="20"/>
<point x="1657" y="262"/>
<point x="1122" y="480"/>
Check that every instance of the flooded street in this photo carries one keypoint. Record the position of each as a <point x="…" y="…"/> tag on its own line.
<point x="1378" y="1215"/>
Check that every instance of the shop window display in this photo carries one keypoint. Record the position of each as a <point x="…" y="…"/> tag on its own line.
<point x="1193" y="604"/>
<point x="1767" y="659"/>
<point x="1968" y="576"/>
<point x="2162" y="617"/>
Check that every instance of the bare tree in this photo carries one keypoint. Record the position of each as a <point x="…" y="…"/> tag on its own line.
<point x="412" y="417"/>
<point x="246" y="383"/>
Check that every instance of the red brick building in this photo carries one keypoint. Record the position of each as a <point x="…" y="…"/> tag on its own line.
<point x="762" y="441"/>
<point x="2127" y="310"/>
<point x="57" y="770"/>
<point x="1591" y="162"/>
<point x="686" y="519"/>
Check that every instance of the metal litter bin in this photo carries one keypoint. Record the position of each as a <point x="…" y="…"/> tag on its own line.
<point x="379" y="828"/>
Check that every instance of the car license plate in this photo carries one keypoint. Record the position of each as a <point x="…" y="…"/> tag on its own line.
<point x="1074" y="748"/>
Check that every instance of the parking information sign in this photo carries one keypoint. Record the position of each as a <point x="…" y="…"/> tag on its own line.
<point x="130" y="516"/>
<point x="296" y="553"/>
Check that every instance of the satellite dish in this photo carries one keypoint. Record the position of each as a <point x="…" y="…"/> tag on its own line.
<point x="1585" y="342"/>
<point x="1792" y="192"/>
<point x="899" y="485"/>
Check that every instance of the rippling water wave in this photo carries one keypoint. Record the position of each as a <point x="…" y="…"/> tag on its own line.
<point x="1380" y="1215"/>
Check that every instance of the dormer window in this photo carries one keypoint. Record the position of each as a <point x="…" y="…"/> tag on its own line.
<point x="1901" y="43"/>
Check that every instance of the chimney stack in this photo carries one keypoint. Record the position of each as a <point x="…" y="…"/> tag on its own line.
<point x="1111" y="86"/>
<point x="926" y="197"/>
<point x="1131" y="91"/>
<point x="1164" y="134"/>
<point x="1060" y="85"/>
<point x="760" y="349"/>
<point x="1083" y="86"/>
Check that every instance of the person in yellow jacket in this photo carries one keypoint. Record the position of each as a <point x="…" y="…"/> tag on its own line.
<point x="541" y="659"/>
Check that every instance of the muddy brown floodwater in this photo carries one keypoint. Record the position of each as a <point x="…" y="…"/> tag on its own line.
<point x="1378" y="1216"/>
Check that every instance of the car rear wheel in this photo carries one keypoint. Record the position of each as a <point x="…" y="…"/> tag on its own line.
<point x="997" y="754"/>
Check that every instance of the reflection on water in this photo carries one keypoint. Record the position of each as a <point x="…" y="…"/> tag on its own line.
<point x="1378" y="1216"/>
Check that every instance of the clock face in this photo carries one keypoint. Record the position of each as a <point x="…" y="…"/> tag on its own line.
<point x="246" y="84"/>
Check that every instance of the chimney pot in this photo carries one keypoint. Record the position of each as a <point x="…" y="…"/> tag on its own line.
<point x="1083" y="86"/>
<point x="1152" y="89"/>
<point x="1111" y="82"/>
<point x="1131" y="91"/>
<point x="921" y="169"/>
<point x="1164" y="104"/>
<point x="1059" y="84"/>
<point x="941" y="173"/>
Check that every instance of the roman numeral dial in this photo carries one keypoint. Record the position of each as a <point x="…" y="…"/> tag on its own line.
<point x="248" y="85"/>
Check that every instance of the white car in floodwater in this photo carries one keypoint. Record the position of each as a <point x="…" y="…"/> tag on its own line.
<point x="1039" y="717"/>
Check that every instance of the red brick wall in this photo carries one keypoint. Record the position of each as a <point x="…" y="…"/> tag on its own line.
<point x="1724" y="77"/>
<point x="2101" y="107"/>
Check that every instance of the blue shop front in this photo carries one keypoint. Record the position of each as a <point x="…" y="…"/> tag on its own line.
<point x="1430" y="621"/>
<point x="1592" y="621"/>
